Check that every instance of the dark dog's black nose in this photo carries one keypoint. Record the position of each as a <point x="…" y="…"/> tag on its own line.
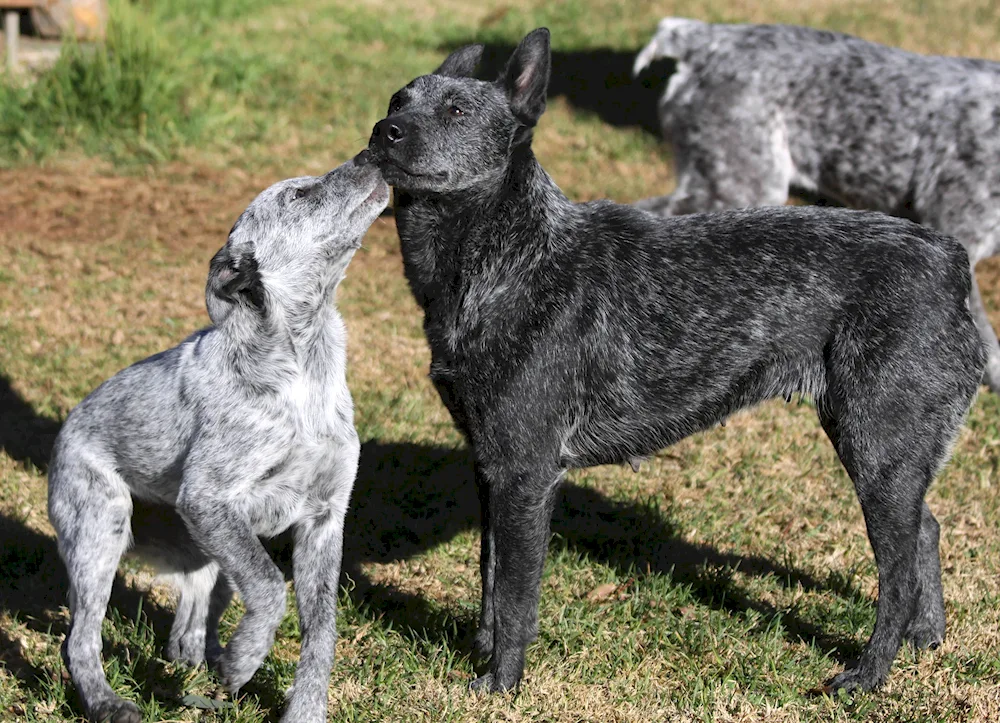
<point x="388" y="132"/>
<point x="395" y="133"/>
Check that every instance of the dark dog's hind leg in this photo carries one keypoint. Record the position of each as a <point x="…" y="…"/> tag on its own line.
<point x="891" y="491"/>
<point x="892" y="412"/>
<point x="926" y="628"/>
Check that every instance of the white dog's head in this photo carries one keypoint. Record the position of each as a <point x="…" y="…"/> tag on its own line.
<point x="291" y="246"/>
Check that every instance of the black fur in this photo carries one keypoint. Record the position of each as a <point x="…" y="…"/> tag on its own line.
<point x="568" y="335"/>
<point x="233" y="280"/>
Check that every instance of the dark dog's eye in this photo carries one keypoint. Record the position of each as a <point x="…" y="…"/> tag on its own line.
<point x="456" y="111"/>
<point x="394" y="105"/>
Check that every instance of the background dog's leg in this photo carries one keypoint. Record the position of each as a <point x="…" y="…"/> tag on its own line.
<point x="484" y="635"/>
<point x="521" y="505"/>
<point x="660" y="205"/>
<point x="714" y="174"/>
<point x="319" y="542"/>
<point x="188" y="634"/>
<point x="91" y="514"/>
<point x="982" y="319"/>
<point x="229" y="540"/>
<point x="927" y="626"/>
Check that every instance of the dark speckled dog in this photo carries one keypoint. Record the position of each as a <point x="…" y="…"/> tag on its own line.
<point x="575" y="334"/>
<point x="754" y="111"/>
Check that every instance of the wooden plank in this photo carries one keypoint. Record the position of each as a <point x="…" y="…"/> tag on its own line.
<point x="11" y="29"/>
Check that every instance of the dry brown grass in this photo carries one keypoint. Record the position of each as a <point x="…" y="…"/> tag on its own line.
<point x="103" y="267"/>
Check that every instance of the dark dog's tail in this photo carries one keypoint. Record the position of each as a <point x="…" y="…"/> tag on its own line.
<point x="674" y="38"/>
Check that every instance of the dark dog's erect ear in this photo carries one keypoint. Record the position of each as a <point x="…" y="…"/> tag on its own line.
<point x="526" y="77"/>
<point x="232" y="281"/>
<point x="462" y="63"/>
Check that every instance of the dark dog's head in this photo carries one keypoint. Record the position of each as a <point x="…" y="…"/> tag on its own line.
<point x="295" y="235"/>
<point x="448" y="131"/>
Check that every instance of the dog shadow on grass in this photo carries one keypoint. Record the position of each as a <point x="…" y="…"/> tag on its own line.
<point x="596" y="80"/>
<point x="408" y="498"/>
<point x="408" y="494"/>
<point x="600" y="81"/>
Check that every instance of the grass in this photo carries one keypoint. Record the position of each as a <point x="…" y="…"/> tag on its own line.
<point x="722" y="582"/>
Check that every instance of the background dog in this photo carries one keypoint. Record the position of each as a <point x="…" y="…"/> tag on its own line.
<point x="569" y="335"/>
<point x="756" y="111"/>
<point x="243" y="430"/>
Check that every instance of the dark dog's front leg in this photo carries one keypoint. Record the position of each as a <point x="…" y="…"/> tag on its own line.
<point x="484" y="635"/>
<point x="520" y="513"/>
<point x="229" y="540"/>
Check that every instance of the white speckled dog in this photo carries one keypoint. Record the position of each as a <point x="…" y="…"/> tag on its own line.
<point x="754" y="111"/>
<point x="243" y="430"/>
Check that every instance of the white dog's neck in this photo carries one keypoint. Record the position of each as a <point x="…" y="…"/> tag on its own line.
<point x="302" y="335"/>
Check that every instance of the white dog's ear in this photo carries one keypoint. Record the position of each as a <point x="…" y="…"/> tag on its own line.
<point x="526" y="77"/>
<point x="232" y="281"/>
<point x="462" y="63"/>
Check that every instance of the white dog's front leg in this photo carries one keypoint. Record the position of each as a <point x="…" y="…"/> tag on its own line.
<point x="319" y="544"/>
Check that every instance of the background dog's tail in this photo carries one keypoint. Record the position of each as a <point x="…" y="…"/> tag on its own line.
<point x="673" y="39"/>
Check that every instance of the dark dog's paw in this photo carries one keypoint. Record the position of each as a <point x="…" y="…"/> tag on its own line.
<point x="117" y="711"/>
<point x="926" y="631"/>
<point x="482" y="647"/>
<point x="482" y="684"/>
<point x="213" y="654"/>
<point x="852" y="680"/>
<point x="924" y="637"/>
<point x="492" y="683"/>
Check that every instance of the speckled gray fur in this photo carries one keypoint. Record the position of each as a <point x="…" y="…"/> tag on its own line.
<point x="567" y="335"/>
<point x="243" y="430"/>
<point x="756" y="111"/>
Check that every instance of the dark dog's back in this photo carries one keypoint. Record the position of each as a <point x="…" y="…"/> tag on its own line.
<point x="644" y="330"/>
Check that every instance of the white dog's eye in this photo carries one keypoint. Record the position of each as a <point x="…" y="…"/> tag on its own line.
<point x="298" y="193"/>
<point x="455" y="111"/>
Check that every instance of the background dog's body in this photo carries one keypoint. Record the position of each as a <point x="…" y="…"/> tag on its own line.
<point x="243" y="430"/>
<point x="567" y="335"/>
<point x="755" y="112"/>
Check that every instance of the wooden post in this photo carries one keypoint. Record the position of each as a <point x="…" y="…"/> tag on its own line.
<point x="11" y="29"/>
